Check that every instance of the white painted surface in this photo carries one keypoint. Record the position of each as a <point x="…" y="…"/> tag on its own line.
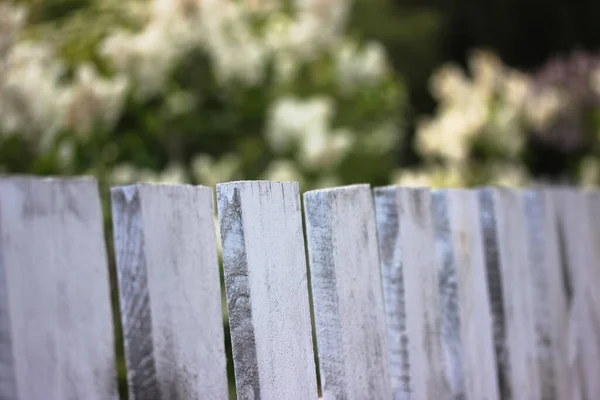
<point x="406" y="244"/>
<point x="551" y="305"/>
<point x="267" y="290"/>
<point x="347" y="293"/>
<point x="591" y="322"/>
<point x="475" y="319"/>
<point x="508" y="264"/>
<point x="170" y="292"/>
<point x="449" y="295"/>
<point x="578" y="217"/>
<point x="56" y="333"/>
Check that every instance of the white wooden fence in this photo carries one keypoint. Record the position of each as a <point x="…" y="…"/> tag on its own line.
<point x="481" y="294"/>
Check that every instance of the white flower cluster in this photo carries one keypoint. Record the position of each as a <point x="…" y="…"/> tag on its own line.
<point x="35" y="101"/>
<point x="11" y="22"/>
<point x="495" y="106"/>
<point x="243" y="41"/>
<point x="91" y="99"/>
<point x="306" y="124"/>
<point x="356" y="67"/>
<point x="238" y="51"/>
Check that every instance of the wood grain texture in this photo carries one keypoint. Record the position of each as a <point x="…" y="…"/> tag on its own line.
<point x="590" y="341"/>
<point x="56" y="333"/>
<point x="577" y="214"/>
<point x="392" y="271"/>
<point x="267" y="290"/>
<point x="462" y="259"/>
<point x="551" y="307"/>
<point x="169" y="291"/>
<point x="449" y="295"/>
<point x="406" y="242"/>
<point x="347" y="293"/>
<point x="511" y="289"/>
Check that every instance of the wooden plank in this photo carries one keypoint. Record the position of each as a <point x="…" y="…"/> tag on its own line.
<point x="406" y="240"/>
<point x="347" y="293"/>
<point x="510" y="284"/>
<point x="267" y="290"/>
<point x="551" y="304"/>
<point x="462" y="259"/>
<point x="170" y="293"/>
<point x="590" y="342"/>
<point x="449" y="296"/>
<point x="56" y="332"/>
<point x="577" y="218"/>
<point x="387" y="212"/>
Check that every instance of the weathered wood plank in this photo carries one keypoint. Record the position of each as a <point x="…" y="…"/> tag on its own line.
<point x="551" y="308"/>
<point x="387" y="212"/>
<point x="347" y="293"/>
<point x="577" y="218"/>
<point x="510" y="284"/>
<point x="56" y="333"/>
<point x="460" y="254"/>
<point x="267" y="290"/>
<point x="406" y="242"/>
<point x="449" y="296"/>
<point x="169" y="290"/>
<point x="590" y="342"/>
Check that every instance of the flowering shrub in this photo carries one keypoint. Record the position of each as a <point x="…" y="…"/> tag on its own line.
<point x="485" y="123"/>
<point x="204" y="91"/>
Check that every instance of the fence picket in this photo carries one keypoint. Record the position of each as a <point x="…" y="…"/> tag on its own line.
<point x="551" y="314"/>
<point x="449" y="298"/>
<point x="267" y="290"/>
<point x="459" y="249"/>
<point x="448" y="294"/>
<point x="169" y="289"/>
<point x="56" y="333"/>
<point x="511" y="293"/>
<point x="347" y="293"/>
<point x="591" y="327"/>
<point x="406" y="240"/>
<point x="576" y="218"/>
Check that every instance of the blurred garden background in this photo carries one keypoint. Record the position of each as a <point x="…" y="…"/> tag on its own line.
<point x="442" y="93"/>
